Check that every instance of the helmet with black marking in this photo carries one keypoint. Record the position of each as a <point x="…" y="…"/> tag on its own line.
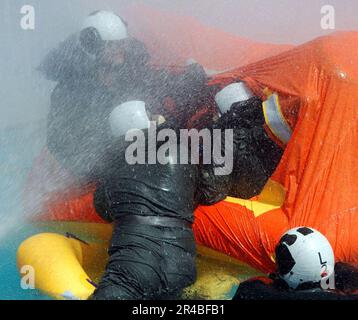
<point x="304" y="258"/>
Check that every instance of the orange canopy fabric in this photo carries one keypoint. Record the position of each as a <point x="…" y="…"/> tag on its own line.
<point x="319" y="168"/>
<point x="172" y="40"/>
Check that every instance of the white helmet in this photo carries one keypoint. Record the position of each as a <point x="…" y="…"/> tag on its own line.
<point x="305" y="259"/>
<point x="128" y="116"/>
<point x="99" y="27"/>
<point x="233" y="93"/>
<point x="109" y="26"/>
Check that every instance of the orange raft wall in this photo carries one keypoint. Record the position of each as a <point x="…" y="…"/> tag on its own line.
<point x="319" y="168"/>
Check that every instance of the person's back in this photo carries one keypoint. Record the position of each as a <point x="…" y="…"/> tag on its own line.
<point x="90" y="83"/>
<point x="76" y="129"/>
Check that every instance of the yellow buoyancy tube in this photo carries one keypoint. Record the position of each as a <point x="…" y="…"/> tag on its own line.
<point x="66" y="267"/>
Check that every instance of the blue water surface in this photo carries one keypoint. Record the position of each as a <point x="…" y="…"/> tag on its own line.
<point x="10" y="281"/>
<point x="18" y="147"/>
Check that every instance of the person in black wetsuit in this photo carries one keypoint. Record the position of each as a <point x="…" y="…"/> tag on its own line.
<point x="146" y="258"/>
<point x="305" y="271"/>
<point x="152" y="254"/>
<point x="255" y="154"/>
<point x="96" y="70"/>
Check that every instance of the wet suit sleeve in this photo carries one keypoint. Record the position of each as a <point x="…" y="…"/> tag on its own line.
<point x="180" y="94"/>
<point x="100" y="203"/>
<point x="59" y="132"/>
<point x="75" y="130"/>
<point x="67" y="61"/>
<point x="66" y="134"/>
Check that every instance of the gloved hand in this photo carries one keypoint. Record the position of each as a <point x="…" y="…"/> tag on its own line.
<point x="212" y="188"/>
<point x="147" y="261"/>
<point x="100" y="203"/>
<point x="191" y="83"/>
<point x="196" y="71"/>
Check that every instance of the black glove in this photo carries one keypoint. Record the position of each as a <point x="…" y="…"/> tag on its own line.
<point x="100" y="203"/>
<point x="148" y="261"/>
<point x="212" y="188"/>
<point x="197" y="72"/>
<point x="190" y="85"/>
<point x="188" y="90"/>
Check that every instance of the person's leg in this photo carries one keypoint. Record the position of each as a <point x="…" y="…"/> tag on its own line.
<point x="141" y="199"/>
<point x="178" y="260"/>
<point x="148" y="262"/>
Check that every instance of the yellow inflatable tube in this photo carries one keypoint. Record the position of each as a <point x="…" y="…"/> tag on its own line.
<point x="60" y="263"/>
<point x="69" y="268"/>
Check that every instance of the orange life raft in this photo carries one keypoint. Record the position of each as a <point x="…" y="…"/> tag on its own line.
<point x="315" y="183"/>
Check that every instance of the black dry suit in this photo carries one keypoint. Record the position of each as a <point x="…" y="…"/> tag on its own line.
<point x="152" y="252"/>
<point x="77" y="130"/>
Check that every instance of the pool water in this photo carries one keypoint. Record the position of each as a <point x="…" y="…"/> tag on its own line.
<point x="10" y="278"/>
<point x="18" y="147"/>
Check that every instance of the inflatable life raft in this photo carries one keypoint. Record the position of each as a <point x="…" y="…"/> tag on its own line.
<point x="68" y="267"/>
<point x="69" y="257"/>
<point x="66" y="206"/>
<point x="314" y="185"/>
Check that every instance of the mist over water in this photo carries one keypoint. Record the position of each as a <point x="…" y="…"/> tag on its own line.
<point x="25" y="94"/>
<point x="25" y="97"/>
